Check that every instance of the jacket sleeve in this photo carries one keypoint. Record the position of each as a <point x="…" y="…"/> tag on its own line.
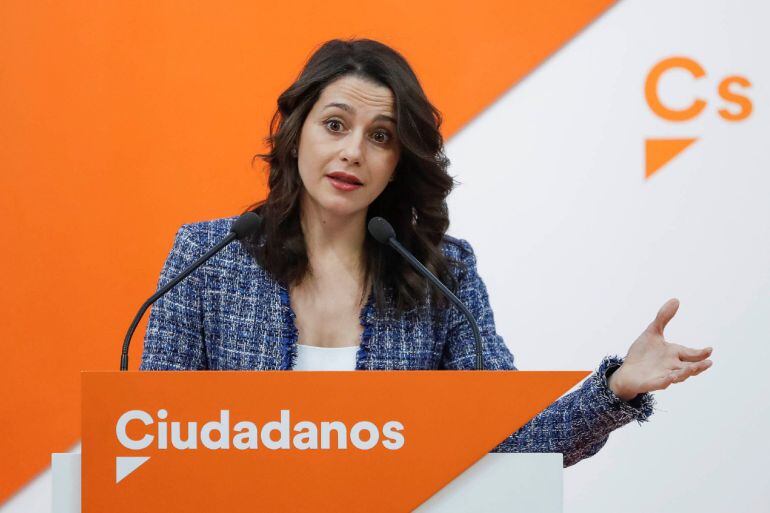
<point x="174" y="339"/>
<point x="579" y="423"/>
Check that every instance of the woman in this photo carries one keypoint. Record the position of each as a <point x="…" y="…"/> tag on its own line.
<point x="355" y="137"/>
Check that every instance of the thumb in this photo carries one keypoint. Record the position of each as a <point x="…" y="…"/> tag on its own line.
<point x="664" y="315"/>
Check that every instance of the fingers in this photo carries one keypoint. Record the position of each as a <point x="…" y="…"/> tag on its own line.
<point x="664" y="315"/>
<point x="690" y="369"/>
<point x="662" y="382"/>
<point x="688" y="354"/>
<point x="680" y="374"/>
<point x="705" y="365"/>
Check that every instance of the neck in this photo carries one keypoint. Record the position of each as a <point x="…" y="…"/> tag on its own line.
<point x="333" y="242"/>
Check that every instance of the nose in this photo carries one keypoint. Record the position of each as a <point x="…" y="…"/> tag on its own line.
<point x="352" y="148"/>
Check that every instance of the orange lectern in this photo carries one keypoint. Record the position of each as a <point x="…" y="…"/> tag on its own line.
<point x="295" y="441"/>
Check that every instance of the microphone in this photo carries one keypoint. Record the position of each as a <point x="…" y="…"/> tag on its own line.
<point x="244" y="226"/>
<point x="383" y="232"/>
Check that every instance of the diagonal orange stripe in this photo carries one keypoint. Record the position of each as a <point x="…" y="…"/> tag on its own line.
<point x="122" y="120"/>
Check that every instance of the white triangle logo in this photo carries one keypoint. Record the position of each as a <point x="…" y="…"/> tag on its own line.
<point x="124" y="465"/>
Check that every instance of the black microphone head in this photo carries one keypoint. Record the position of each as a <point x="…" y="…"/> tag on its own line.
<point x="247" y="224"/>
<point x="381" y="230"/>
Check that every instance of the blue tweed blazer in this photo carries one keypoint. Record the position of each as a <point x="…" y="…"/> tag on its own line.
<point x="230" y="314"/>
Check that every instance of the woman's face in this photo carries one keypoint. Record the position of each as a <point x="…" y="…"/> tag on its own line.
<point x="348" y="149"/>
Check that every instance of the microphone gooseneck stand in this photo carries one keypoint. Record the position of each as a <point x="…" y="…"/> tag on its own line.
<point x="383" y="232"/>
<point x="245" y="225"/>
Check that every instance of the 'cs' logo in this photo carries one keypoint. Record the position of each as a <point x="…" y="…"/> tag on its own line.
<point x="658" y="152"/>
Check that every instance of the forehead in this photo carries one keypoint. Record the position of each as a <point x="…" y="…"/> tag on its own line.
<point x="358" y="94"/>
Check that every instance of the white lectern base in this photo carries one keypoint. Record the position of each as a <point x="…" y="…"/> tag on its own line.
<point x="530" y="483"/>
<point x="65" y="477"/>
<point x="519" y="482"/>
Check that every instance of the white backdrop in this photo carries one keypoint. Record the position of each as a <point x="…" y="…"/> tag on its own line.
<point x="579" y="250"/>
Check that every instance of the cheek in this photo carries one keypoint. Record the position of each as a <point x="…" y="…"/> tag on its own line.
<point x="382" y="179"/>
<point x="309" y="161"/>
<point x="386" y="165"/>
<point x="314" y="147"/>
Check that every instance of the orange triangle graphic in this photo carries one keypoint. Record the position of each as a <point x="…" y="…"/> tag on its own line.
<point x="658" y="152"/>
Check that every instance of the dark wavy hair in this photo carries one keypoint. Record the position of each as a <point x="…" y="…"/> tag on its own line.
<point x="414" y="202"/>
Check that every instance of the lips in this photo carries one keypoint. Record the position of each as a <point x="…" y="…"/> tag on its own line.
<point x="345" y="177"/>
<point x="344" y="182"/>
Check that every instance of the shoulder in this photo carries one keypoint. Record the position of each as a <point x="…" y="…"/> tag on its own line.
<point x="460" y="257"/>
<point x="458" y="249"/>
<point x="196" y="238"/>
<point x="204" y="232"/>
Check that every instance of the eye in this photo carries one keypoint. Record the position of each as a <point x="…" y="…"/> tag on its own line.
<point x="385" y="134"/>
<point x="328" y="123"/>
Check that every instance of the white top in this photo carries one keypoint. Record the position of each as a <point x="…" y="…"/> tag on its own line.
<point x="325" y="358"/>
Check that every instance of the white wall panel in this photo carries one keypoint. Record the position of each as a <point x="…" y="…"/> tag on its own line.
<point x="579" y="250"/>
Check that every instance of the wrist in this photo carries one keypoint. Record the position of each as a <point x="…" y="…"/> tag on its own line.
<point x="617" y="385"/>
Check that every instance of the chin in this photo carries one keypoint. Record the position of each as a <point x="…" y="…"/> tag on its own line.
<point x="342" y="206"/>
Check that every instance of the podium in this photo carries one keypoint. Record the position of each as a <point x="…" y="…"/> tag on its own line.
<point x="311" y="441"/>
<point x="530" y="483"/>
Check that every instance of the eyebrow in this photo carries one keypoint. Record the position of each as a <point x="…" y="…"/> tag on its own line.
<point x="348" y="108"/>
